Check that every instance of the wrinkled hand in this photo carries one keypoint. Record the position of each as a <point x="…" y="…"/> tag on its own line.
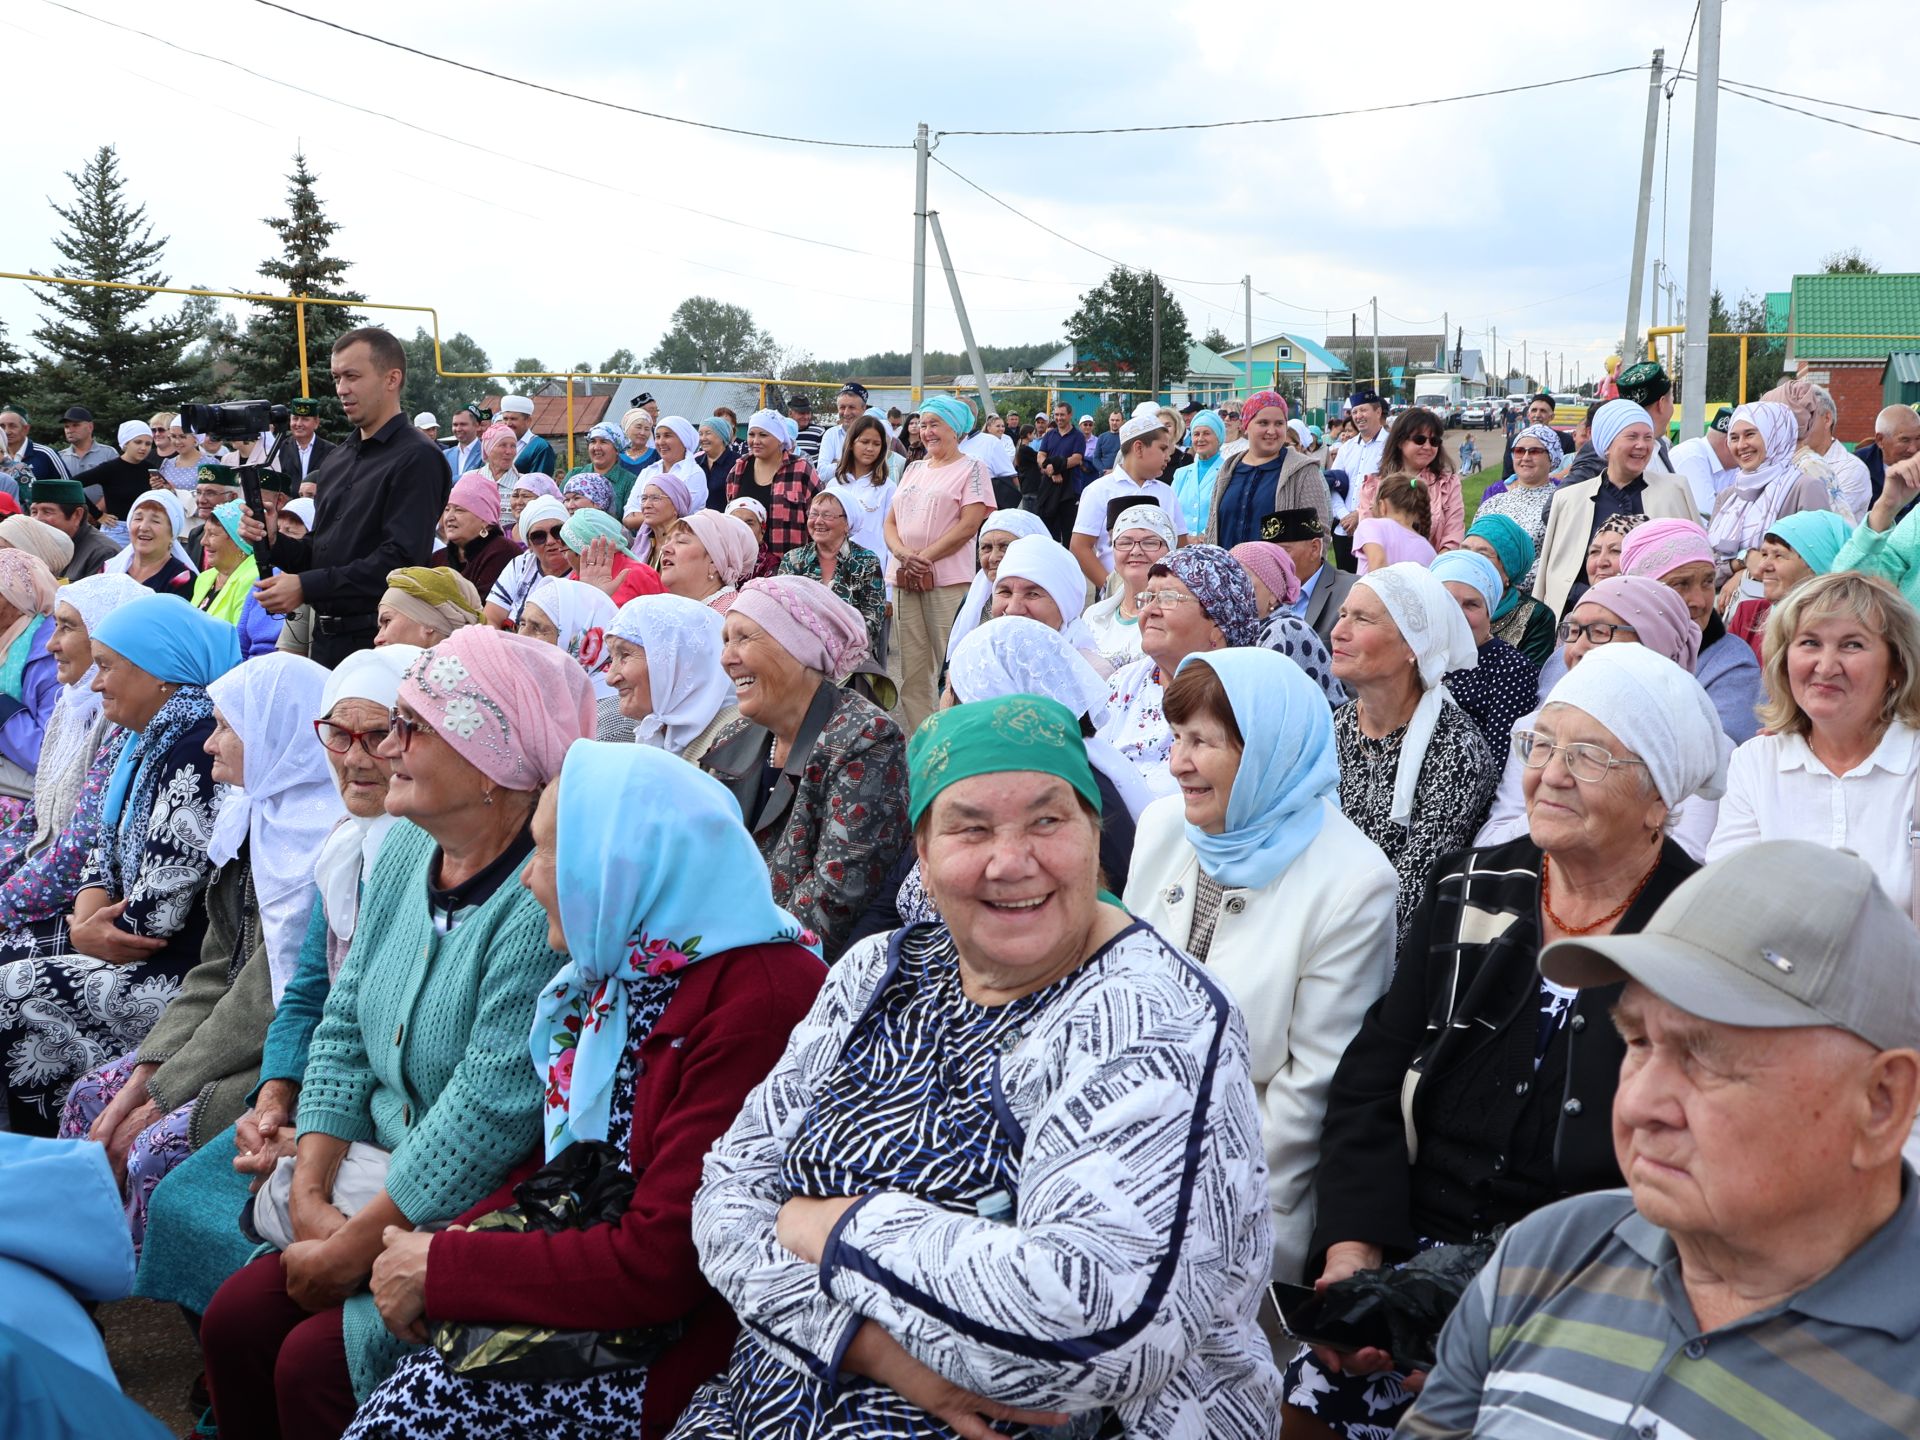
<point x="131" y="1096"/>
<point x="400" y="1283"/>
<point x="99" y="937"/>
<point x="595" y="566"/>
<point x="804" y="1223"/>
<point x="266" y="1132"/>
<point x="1349" y="1257"/>
<point x="319" y="1275"/>
<point x="280" y="594"/>
<point x="1902" y="487"/>
<point x="880" y="1357"/>
<point x="126" y="1132"/>
<point x="312" y="1215"/>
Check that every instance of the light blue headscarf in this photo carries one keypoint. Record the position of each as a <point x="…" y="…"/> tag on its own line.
<point x="956" y="415"/>
<point x="1814" y="535"/>
<point x="1211" y="419"/>
<point x="583" y="527"/>
<point x="1287" y="767"/>
<point x="228" y="514"/>
<point x="1193" y="483"/>
<point x="629" y="919"/>
<point x="608" y="431"/>
<point x="1615" y="416"/>
<point x="1470" y="567"/>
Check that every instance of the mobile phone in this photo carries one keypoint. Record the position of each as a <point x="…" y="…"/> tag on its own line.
<point x="1296" y="1306"/>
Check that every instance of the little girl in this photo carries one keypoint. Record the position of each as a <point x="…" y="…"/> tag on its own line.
<point x="1401" y="527"/>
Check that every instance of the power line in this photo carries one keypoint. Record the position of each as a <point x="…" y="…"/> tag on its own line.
<point x="1289" y="119"/>
<point x="1731" y="88"/>
<point x="1816" y="100"/>
<point x="571" y="95"/>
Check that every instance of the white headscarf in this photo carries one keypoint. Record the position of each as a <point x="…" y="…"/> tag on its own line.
<point x="1658" y="710"/>
<point x="288" y="804"/>
<point x="1742" y="519"/>
<point x="582" y="615"/>
<point x="301" y="509"/>
<point x="347" y="854"/>
<point x="973" y="609"/>
<point x="682" y="641"/>
<point x="1014" y="655"/>
<point x="176" y="512"/>
<point x="1047" y="563"/>
<point x="73" y="730"/>
<point x="1430" y="621"/>
<point x="682" y="429"/>
<point x="774" y="424"/>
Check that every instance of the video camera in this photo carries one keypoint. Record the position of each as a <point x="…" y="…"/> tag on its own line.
<point x="235" y="420"/>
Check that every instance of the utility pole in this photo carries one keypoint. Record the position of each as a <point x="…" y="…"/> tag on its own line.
<point x="919" y="262"/>
<point x="1376" y="344"/>
<point x="960" y="309"/>
<point x="1525" y="378"/>
<point x="1156" y="338"/>
<point x="1632" y="344"/>
<point x="1353" y="344"/>
<point x="1706" y="135"/>
<point x="1248" y="284"/>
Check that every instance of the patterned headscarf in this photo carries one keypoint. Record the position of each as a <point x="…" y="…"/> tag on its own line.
<point x="441" y="599"/>
<point x="611" y="433"/>
<point x="507" y="705"/>
<point x="26" y="583"/>
<point x="1271" y="564"/>
<point x="597" y="489"/>
<point x="583" y="617"/>
<point x="1550" y="438"/>
<point x="36" y="537"/>
<point x="681" y="638"/>
<point x="1221" y="586"/>
<point x="1743" y="517"/>
<point x="1800" y="399"/>
<point x="1621" y="524"/>
<point x="1257" y="402"/>
<point x="807" y="620"/>
<point x="996" y="737"/>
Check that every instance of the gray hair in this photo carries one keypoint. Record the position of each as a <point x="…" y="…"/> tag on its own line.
<point x="1823" y="400"/>
<point x="1904" y="414"/>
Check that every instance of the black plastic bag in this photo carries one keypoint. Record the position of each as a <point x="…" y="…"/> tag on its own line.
<point x="1400" y="1309"/>
<point x="582" y="1187"/>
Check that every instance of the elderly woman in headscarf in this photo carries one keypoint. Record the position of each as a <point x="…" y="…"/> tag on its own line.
<point x="815" y="767"/>
<point x="541" y="525"/>
<point x="1803" y="399"/>
<point x="1429" y="1137"/>
<point x="450" y="951"/>
<point x="190" y="1077"/>
<point x="1256" y="874"/>
<point x="1536" y="455"/>
<point x="1769" y="486"/>
<point x="1040" y="579"/>
<point x="498" y="448"/>
<point x="578" y="618"/>
<point x="422" y="606"/>
<point x="603" y="557"/>
<point x="848" y="569"/>
<point x="680" y="988"/>
<point x="707" y="556"/>
<point x="53" y="548"/>
<point x="716" y="456"/>
<point x="1679" y="555"/>
<point x="527" y="489"/>
<point x="1621" y="610"/>
<point x="1276" y="586"/>
<point x="1267" y="476"/>
<point x="1142" y="537"/>
<point x="1415" y="772"/>
<point x="29" y="682"/>
<point x="224" y="589"/>
<point x="88" y="985"/>
<point x="636" y="445"/>
<point x="476" y="547"/>
<point x="1503" y="684"/>
<point x="1193" y="483"/>
<point x="1519" y="619"/>
<point x="660" y="498"/>
<point x="154" y="556"/>
<point x="603" y="482"/>
<point x="663" y="662"/>
<point x="1036" y="1017"/>
<point x="998" y="531"/>
<point x="1797" y="548"/>
<point x="751" y="513"/>
<point x="192" y="1241"/>
<point x="676" y="446"/>
<point x="1197" y="599"/>
<point x="773" y="473"/>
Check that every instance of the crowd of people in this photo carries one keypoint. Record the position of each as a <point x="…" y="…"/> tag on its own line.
<point x="928" y="927"/>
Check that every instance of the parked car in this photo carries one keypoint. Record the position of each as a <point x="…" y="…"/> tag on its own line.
<point x="1476" y="415"/>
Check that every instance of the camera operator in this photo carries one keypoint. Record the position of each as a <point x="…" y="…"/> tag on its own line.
<point x="380" y="493"/>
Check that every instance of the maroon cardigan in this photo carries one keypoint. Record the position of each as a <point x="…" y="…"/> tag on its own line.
<point x="724" y="1028"/>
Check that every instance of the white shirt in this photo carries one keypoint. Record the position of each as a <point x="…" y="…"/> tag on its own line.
<point x="1777" y="789"/>
<point x="1359" y="458"/>
<point x="1695" y="463"/>
<point x="1091" y="518"/>
<point x="831" y="439"/>
<point x="1850" y="473"/>
<point x="1136" y="726"/>
<point x="993" y="451"/>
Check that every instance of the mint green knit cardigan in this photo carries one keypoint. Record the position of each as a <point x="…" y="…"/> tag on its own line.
<point x="422" y="1050"/>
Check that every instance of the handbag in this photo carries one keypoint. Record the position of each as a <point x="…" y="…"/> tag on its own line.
<point x="582" y="1187"/>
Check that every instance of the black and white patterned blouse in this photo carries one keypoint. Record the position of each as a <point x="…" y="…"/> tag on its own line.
<point x="1457" y="781"/>
<point x="1294" y="638"/>
<point x="1504" y="686"/>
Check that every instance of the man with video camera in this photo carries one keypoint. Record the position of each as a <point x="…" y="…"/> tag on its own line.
<point x="379" y="495"/>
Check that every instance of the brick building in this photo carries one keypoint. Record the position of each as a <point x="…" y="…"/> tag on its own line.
<point x="1885" y="308"/>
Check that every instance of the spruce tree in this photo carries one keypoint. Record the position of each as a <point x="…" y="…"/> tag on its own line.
<point x="266" y="359"/>
<point x="94" y="350"/>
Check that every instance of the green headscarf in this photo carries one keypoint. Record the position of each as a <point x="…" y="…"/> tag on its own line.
<point x="583" y="527"/>
<point x="992" y="737"/>
<point x="1514" y="546"/>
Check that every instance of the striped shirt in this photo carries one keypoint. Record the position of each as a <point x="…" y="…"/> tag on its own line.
<point x="1580" y="1326"/>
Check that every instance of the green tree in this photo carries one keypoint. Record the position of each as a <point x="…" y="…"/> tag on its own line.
<point x="1217" y="341"/>
<point x="13" y="377"/>
<point x="266" y="357"/>
<point x="428" y="389"/>
<point x="705" y="335"/>
<point x="525" y="365"/>
<point x="212" y="333"/>
<point x="1765" y="357"/>
<point x="95" y="351"/>
<point x="1112" y="332"/>
<point x="621" y="361"/>
<point x="1848" y="262"/>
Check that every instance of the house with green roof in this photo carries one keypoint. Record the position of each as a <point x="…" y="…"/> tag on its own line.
<point x="1293" y="365"/>
<point x="1841" y="331"/>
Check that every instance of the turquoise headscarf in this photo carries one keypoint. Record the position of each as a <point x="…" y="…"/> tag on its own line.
<point x="1287" y="767"/>
<point x="1815" y="535"/>
<point x="583" y="527"/>
<point x="1211" y="419"/>
<point x="1514" y="546"/>
<point x="228" y="514"/>
<point x="630" y="919"/>
<point x="957" y="415"/>
<point x="1470" y="567"/>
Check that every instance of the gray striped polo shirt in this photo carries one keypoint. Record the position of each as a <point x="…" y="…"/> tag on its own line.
<point x="1580" y="1326"/>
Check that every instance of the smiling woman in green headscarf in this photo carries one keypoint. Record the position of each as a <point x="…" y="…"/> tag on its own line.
<point x="1519" y="619"/>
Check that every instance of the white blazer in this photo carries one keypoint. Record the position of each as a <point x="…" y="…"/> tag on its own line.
<point x="1303" y="958"/>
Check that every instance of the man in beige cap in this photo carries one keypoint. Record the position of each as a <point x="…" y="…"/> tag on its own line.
<point x="1759" y="1278"/>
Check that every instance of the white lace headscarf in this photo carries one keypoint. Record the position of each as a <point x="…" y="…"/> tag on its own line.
<point x="1431" y="623"/>
<point x="973" y="609"/>
<point x="681" y="638"/>
<point x="74" y="730"/>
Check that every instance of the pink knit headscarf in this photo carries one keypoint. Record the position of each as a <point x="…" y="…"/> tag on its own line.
<point x="1271" y="566"/>
<point x="807" y="620"/>
<point x="728" y="541"/>
<point x="476" y="493"/>
<point x="1659" y="547"/>
<point x="495" y="432"/>
<point x="509" y="706"/>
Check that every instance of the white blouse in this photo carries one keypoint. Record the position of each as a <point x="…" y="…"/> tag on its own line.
<point x="1136" y="725"/>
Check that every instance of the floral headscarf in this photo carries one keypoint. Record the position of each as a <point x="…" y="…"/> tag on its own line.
<point x="596" y="488"/>
<point x="1221" y="586"/>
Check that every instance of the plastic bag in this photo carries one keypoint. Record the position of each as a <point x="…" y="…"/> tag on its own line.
<point x="582" y="1187"/>
<point x="1400" y="1309"/>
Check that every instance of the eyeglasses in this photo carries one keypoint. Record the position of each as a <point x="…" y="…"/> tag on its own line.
<point x="405" y="729"/>
<point x="1162" y="598"/>
<point x="340" y="740"/>
<point x="1520" y="450"/>
<point x="1600" y="632"/>
<point x="542" y="537"/>
<point x="1151" y="545"/>
<point x="1584" y="762"/>
<point x="1423" y="440"/>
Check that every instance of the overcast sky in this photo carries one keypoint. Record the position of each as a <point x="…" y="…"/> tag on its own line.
<point x="545" y="226"/>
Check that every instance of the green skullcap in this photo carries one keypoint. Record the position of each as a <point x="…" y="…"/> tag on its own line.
<point x="58" y="492"/>
<point x="992" y="737"/>
<point x="211" y="473"/>
<point x="303" y="405"/>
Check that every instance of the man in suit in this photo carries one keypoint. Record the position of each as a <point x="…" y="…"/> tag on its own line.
<point x="464" y="454"/>
<point x="299" y="455"/>
<point x="534" y="454"/>
<point x="1896" y="436"/>
<point x="1322" y="588"/>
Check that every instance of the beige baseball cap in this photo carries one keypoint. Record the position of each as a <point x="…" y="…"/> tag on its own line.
<point x="1784" y="933"/>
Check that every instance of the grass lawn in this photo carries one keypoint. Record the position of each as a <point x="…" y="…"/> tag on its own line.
<point x="1472" y="485"/>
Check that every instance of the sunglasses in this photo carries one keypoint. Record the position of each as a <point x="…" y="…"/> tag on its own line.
<point x="543" y="537"/>
<point x="1423" y="440"/>
<point x="1529" y="450"/>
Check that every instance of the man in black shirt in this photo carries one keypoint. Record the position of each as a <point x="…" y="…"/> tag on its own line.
<point x="380" y="494"/>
